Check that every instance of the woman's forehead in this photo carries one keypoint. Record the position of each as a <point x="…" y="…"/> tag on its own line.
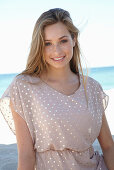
<point x="57" y="30"/>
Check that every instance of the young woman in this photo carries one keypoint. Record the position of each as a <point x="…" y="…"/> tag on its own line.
<point x="55" y="111"/>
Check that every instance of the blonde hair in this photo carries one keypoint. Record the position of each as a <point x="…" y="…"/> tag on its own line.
<point x="36" y="63"/>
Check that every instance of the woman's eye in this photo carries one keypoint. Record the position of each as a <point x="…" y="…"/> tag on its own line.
<point x="64" y="41"/>
<point x="47" y="44"/>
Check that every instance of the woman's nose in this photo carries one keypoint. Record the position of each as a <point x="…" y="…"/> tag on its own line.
<point x="57" y="48"/>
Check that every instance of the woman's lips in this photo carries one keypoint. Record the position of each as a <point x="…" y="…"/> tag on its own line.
<point x="58" y="58"/>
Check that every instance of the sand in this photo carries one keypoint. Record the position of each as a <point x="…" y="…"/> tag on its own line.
<point x="8" y="146"/>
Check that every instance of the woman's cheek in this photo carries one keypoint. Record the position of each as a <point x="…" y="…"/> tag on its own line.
<point x="47" y="51"/>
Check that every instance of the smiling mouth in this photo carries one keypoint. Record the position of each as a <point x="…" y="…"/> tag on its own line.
<point x="58" y="58"/>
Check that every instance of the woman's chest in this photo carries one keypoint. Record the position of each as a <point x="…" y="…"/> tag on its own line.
<point x="54" y="111"/>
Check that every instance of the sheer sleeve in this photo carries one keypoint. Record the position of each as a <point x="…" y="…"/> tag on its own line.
<point x="98" y="99"/>
<point x="11" y="93"/>
<point x="103" y="98"/>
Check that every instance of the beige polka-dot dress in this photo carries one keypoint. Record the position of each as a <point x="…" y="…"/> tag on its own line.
<point x="63" y="128"/>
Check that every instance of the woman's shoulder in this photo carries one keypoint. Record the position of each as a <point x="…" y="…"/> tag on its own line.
<point x="25" y="78"/>
<point x="91" y="82"/>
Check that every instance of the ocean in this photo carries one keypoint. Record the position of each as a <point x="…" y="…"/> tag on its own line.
<point x="104" y="75"/>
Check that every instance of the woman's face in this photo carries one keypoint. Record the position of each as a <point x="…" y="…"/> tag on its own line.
<point x="59" y="45"/>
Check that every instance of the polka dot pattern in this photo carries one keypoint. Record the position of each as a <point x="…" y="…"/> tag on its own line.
<point x="63" y="127"/>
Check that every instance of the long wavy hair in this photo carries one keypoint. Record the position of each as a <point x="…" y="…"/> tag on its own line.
<point x="36" y="63"/>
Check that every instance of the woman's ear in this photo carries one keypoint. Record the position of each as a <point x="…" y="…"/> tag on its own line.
<point x="74" y="41"/>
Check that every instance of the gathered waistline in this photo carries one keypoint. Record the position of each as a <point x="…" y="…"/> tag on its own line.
<point x="90" y="149"/>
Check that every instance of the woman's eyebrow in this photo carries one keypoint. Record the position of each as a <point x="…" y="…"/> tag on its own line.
<point x="59" y="38"/>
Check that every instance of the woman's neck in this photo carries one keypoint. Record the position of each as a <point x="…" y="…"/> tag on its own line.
<point x="58" y="76"/>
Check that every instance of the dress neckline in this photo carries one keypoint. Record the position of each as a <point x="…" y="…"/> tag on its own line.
<point x="70" y="95"/>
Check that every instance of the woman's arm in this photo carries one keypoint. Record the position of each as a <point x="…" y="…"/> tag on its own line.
<point x="26" y="154"/>
<point x="107" y="144"/>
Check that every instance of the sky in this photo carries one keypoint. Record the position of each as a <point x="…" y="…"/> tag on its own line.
<point x="94" y="19"/>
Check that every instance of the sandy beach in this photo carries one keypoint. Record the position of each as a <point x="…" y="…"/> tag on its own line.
<point x="8" y="146"/>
